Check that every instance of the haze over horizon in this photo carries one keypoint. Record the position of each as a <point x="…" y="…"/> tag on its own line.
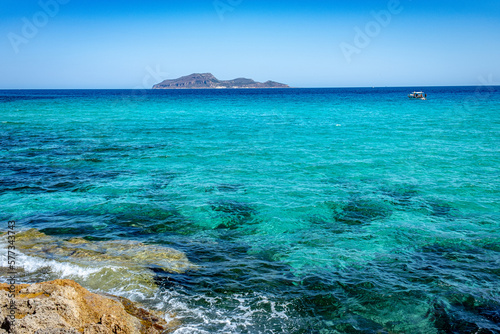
<point x="359" y="43"/>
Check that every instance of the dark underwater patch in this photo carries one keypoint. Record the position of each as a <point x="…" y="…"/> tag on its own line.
<point x="465" y="317"/>
<point x="233" y="214"/>
<point x="227" y="268"/>
<point x="455" y="253"/>
<point x="42" y="179"/>
<point x="94" y="238"/>
<point x="441" y="209"/>
<point x="125" y="220"/>
<point x="452" y="262"/>
<point x="104" y="149"/>
<point x="70" y="224"/>
<point x="402" y="195"/>
<point x="360" y="325"/>
<point x="327" y="224"/>
<point x="228" y="187"/>
<point x="83" y="188"/>
<point x="93" y="160"/>
<point x="163" y="180"/>
<point x="360" y="211"/>
<point x="73" y="231"/>
<point x="318" y="297"/>
<point x="153" y="217"/>
<point x="225" y="188"/>
<point x="147" y="219"/>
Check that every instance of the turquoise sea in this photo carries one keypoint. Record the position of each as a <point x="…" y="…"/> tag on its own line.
<point x="301" y="210"/>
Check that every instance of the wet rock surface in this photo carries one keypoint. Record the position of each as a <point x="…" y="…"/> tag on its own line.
<point x="122" y="265"/>
<point x="63" y="306"/>
<point x="130" y="254"/>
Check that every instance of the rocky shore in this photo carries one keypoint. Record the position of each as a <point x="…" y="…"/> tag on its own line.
<point x="100" y="265"/>
<point x="64" y="307"/>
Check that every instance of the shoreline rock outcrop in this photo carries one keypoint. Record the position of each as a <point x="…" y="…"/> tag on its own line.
<point x="64" y="307"/>
<point x="127" y="253"/>
<point x="105" y="265"/>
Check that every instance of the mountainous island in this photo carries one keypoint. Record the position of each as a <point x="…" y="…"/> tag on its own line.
<point x="208" y="81"/>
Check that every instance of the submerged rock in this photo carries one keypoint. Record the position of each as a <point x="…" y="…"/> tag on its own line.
<point x="360" y="211"/>
<point x="132" y="215"/>
<point x="465" y="318"/>
<point x="101" y="265"/>
<point x="63" y="306"/>
<point x="131" y="254"/>
<point x="440" y="209"/>
<point x="32" y="178"/>
<point x="360" y="325"/>
<point x="228" y="187"/>
<point x="402" y="195"/>
<point x="233" y="214"/>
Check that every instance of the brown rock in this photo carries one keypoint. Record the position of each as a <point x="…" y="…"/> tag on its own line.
<point x="64" y="307"/>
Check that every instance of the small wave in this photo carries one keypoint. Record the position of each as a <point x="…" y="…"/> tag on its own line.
<point x="252" y="312"/>
<point x="60" y="269"/>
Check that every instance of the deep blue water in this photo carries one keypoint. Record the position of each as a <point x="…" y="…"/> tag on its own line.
<point x="304" y="210"/>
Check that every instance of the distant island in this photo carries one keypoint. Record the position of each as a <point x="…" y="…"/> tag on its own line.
<point x="208" y="81"/>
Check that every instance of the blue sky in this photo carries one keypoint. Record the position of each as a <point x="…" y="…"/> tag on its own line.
<point x="134" y="44"/>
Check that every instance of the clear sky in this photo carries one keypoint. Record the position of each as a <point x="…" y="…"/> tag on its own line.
<point x="134" y="44"/>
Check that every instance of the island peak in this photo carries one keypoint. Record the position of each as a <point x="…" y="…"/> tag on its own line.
<point x="209" y="81"/>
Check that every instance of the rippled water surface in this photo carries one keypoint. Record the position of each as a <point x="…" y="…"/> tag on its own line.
<point x="299" y="210"/>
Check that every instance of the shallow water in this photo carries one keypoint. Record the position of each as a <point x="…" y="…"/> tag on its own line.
<point x="304" y="210"/>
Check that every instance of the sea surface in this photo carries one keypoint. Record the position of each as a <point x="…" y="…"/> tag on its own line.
<point x="299" y="210"/>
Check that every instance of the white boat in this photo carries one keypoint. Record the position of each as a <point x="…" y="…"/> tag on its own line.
<point x="418" y="96"/>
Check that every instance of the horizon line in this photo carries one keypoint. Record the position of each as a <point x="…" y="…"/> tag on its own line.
<point x="218" y="89"/>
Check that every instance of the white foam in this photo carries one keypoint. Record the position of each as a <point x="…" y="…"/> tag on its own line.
<point x="61" y="269"/>
<point x="242" y="317"/>
<point x="32" y="264"/>
<point x="135" y="294"/>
